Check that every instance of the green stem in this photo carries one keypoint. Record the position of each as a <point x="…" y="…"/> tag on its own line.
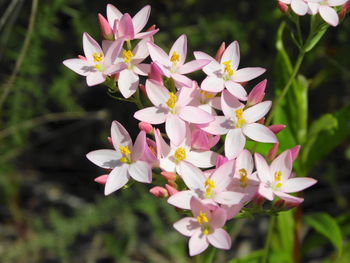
<point x="128" y="43"/>
<point x="137" y="99"/>
<point x="300" y="36"/>
<point x="286" y="87"/>
<point x="172" y="85"/>
<point x="268" y="239"/>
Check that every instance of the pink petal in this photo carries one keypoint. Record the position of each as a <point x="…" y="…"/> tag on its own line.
<point x="192" y="66"/>
<point x="113" y="51"/>
<point x="198" y="243"/>
<point x="265" y="191"/>
<point x="141" y="172"/>
<point x="147" y="34"/>
<point x="95" y="78"/>
<point x="229" y="104"/>
<point x="218" y="219"/>
<point x="283" y="163"/>
<point x="220" y="239"/>
<point x="105" y="158"/>
<point x="113" y="14"/>
<point x="140" y="19"/>
<point x="228" y="198"/>
<point x="112" y="69"/>
<point x="299" y="7"/>
<point x="262" y="168"/>
<point x="329" y="15"/>
<point x="140" y="52"/>
<point x="257" y="111"/>
<point x="120" y="136"/>
<point x="245" y="161"/>
<point x="142" y="69"/>
<point x="192" y="176"/>
<point x="125" y="27"/>
<point x="246" y="74"/>
<point x="185" y="96"/>
<point x="157" y="54"/>
<point x="197" y="206"/>
<point x="175" y="128"/>
<point x="213" y="67"/>
<point x="259" y="133"/>
<point x="234" y="143"/>
<point x="232" y="53"/>
<point x="181" y="80"/>
<point x="202" y="159"/>
<point x="117" y="179"/>
<point x="232" y="210"/>
<point x="139" y="146"/>
<point x="289" y="198"/>
<point x="128" y="83"/>
<point x="80" y="66"/>
<point x="236" y="90"/>
<point x="101" y="179"/>
<point x="181" y="199"/>
<point x="153" y="115"/>
<point x="180" y="47"/>
<point x="156" y="93"/>
<point x="297" y="184"/>
<point x="167" y="165"/>
<point x="223" y="176"/>
<point x="163" y="148"/>
<point x="90" y="47"/>
<point x="187" y="226"/>
<point x="212" y="84"/>
<point x="221" y="125"/>
<point x="193" y="114"/>
<point x="336" y="2"/>
<point x="295" y="152"/>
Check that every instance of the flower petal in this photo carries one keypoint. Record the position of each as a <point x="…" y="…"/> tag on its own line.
<point x="113" y="51"/>
<point x="236" y="90"/>
<point x="175" y="129"/>
<point x="117" y="179"/>
<point x="141" y="172"/>
<point x="221" y="125"/>
<point x="140" y="52"/>
<point x="82" y="67"/>
<point x="180" y="47"/>
<point x="234" y="143"/>
<point x="113" y="14"/>
<point x="329" y="15"/>
<point x="289" y="198"/>
<point x="297" y="184"/>
<point x="218" y="218"/>
<point x="202" y="159"/>
<point x="212" y="84"/>
<point x="182" y="80"/>
<point x="152" y="115"/>
<point x="120" y="136"/>
<point x="193" y="114"/>
<point x="105" y="158"/>
<point x="140" y="19"/>
<point x="128" y="83"/>
<point x="181" y="199"/>
<point x="231" y="54"/>
<point x="299" y="7"/>
<point x="246" y="74"/>
<point x="192" y="66"/>
<point x="265" y="191"/>
<point x="139" y="146"/>
<point x="213" y="68"/>
<point x="284" y="164"/>
<point x="156" y="93"/>
<point x="157" y="54"/>
<point x="125" y="27"/>
<point x="192" y="176"/>
<point x="95" y="78"/>
<point x="256" y="112"/>
<point x="262" y="168"/>
<point x="90" y="47"/>
<point x="198" y="243"/>
<point x="220" y="239"/>
<point x="223" y="175"/>
<point x="187" y="226"/>
<point x="229" y="104"/>
<point x="228" y="198"/>
<point x="259" y="133"/>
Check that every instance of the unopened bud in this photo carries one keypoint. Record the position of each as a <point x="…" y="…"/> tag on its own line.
<point x="143" y="90"/>
<point x="257" y="94"/>
<point x="171" y="189"/>
<point x="82" y="57"/>
<point x="258" y="200"/>
<point x="282" y="6"/>
<point x="169" y="176"/>
<point x="110" y="140"/>
<point x="344" y="10"/>
<point x="272" y="153"/>
<point x="295" y="152"/>
<point x="101" y="179"/>
<point x="151" y="28"/>
<point x="106" y="30"/>
<point x="277" y="128"/>
<point x="155" y="73"/>
<point x="159" y="192"/>
<point x="280" y="204"/>
<point x="220" y="161"/>
<point x="261" y="121"/>
<point x="220" y="51"/>
<point x="146" y="127"/>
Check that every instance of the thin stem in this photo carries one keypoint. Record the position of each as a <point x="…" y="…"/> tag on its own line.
<point x="128" y="44"/>
<point x="286" y="87"/>
<point x="6" y="87"/>
<point x="300" y="36"/>
<point x="268" y="239"/>
<point x="137" y="99"/>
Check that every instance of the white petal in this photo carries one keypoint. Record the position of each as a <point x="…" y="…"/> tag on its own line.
<point x="234" y="143"/>
<point x="105" y="158"/>
<point x="192" y="176"/>
<point x="329" y="15"/>
<point x="257" y="111"/>
<point x="202" y="159"/>
<point x="117" y="179"/>
<point x="153" y="115"/>
<point x="231" y="54"/>
<point x="140" y="19"/>
<point x="128" y="83"/>
<point x="141" y="172"/>
<point x="259" y="133"/>
<point x="156" y="93"/>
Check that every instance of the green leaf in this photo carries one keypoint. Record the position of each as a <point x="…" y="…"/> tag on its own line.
<point x="327" y="226"/>
<point x="318" y="29"/>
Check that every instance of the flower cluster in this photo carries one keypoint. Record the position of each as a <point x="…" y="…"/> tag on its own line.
<point x="209" y="183"/>
<point x="323" y="7"/>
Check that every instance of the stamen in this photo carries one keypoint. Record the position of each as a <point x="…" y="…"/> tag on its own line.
<point x="125" y="152"/>
<point x="240" y="121"/>
<point x="171" y="101"/>
<point x="97" y="57"/>
<point x="175" y="58"/>
<point x="207" y="95"/>
<point x="209" y="185"/>
<point x="202" y="218"/>
<point x="228" y="68"/>
<point x="243" y="177"/>
<point x="180" y="154"/>
<point x="127" y="55"/>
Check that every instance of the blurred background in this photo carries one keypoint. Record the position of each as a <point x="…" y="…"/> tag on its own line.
<point x="52" y="211"/>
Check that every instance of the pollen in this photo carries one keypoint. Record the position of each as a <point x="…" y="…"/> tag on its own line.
<point x="172" y="100"/>
<point x="202" y="218"/>
<point x="125" y="152"/>
<point x="207" y="95"/>
<point x="277" y="176"/>
<point x="240" y="121"/>
<point x="228" y="68"/>
<point x="209" y="185"/>
<point x="180" y="154"/>
<point x="97" y="57"/>
<point x="175" y="58"/>
<point x="127" y="55"/>
<point x="243" y="177"/>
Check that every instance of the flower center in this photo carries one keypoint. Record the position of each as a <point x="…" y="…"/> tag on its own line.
<point x="126" y="153"/>
<point x="228" y="70"/>
<point x="243" y="177"/>
<point x="277" y="177"/>
<point x="209" y="185"/>
<point x="207" y="95"/>
<point x="175" y="58"/>
<point x="97" y="57"/>
<point x="171" y="101"/>
<point x="240" y="121"/>
<point x="127" y="55"/>
<point x="202" y="219"/>
<point x="180" y="154"/>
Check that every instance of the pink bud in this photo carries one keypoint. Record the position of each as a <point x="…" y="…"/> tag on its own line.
<point x="169" y="176"/>
<point x="277" y="128"/>
<point x="143" y="90"/>
<point x="110" y="140"/>
<point x="345" y="9"/>
<point x="106" y="30"/>
<point x="220" y="161"/>
<point x="151" y="28"/>
<point x="155" y="73"/>
<point x="101" y="179"/>
<point x="282" y="6"/>
<point x="220" y="51"/>
<point x="258" y="200"/>
<point x="257" y="94"/>
<point x="295" y="152"/>
<point x="272" y="153"/>
<point x="146" y="127"/>
<point x="279" y="204"/>
<point x="82" y="58"/>
<point x="171" y="189"/>
<point x="261" y="121"/>
<point x="159" y="192"/>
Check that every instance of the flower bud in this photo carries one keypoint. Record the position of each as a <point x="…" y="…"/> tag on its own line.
<point x="220" y="51"/>
<point x="258" y="200"/>
<point x="272" y="153"/>
<point x="169" y="176"/>
<point x="220" y="161"/>
<point x="151" y="28"/>
<point x="277" y="128"/>
<point x="143" y="90"/>
<point x="106" y="30"/>
<point x="82" y="57"/>
<point x="101" y="179"/>
<point x="155" y="73"/>
<point x="146" y="127"/>
<point x="282" y="6"/>
<point x="171" y="189"/>
<point x="159" y="192"/>
<point x="344" y="10"/>
<point x="295" y="152"/>
<point x="110" y="140"/>
<point x="257" y="94"/>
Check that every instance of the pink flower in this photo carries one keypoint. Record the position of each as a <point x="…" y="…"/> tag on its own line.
<point x="124" y="160"/>
<point x="172" y="65"/>
<point x="125" y="26"/>
<point x="299" y="7"/>
<point x="277" y="178"/>
<point x="324" y="8"/>
<point x="97" y="63"/>
<point x="226" y="73"/>
<point x="239" y="122"/>
<point x="210" y="189"/>
<point x="173" y="109"/>
<point x="204" y="228"/>
<point x="203" y="141"/>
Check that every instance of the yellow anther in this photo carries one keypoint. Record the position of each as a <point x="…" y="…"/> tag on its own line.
<point x="180" y="154"/>
<point x="209" y="185"/>
<point x="240" y="121"/>
<point x="202" y="218"/>
<point x="172" y="100"/>
<point x="207" y="95"/>
<point x="124" y="150"/>
<point x="175" y="58"/>
<point x="124" y="160"/>
<point x="228" y="68"/>
<point x="98" y="67"/>
<point x="278" y="185"/>
<point x="127" y="55"/>
<point x="243" y="177"/>
<point x="278" y="176"/>
<point x="205" y="230"/>
<point x="97" y="57"/>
